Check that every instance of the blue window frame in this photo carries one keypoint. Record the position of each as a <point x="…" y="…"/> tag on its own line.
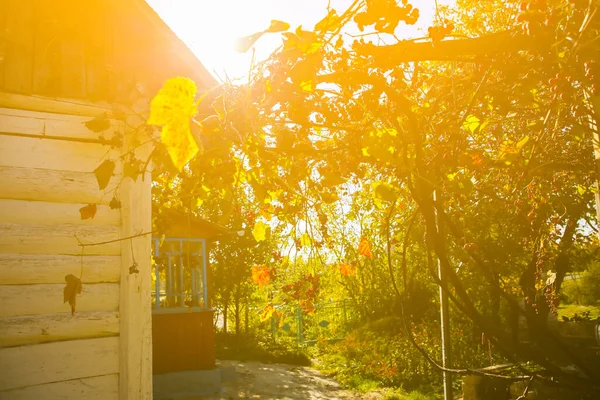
<point x="179" y="275"/>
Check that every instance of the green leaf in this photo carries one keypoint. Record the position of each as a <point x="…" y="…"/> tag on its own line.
<point x="471" y="123"/>
<point x="103" y="173"/>
<point x="278" y="26"/>
<point x="260" y="231"/>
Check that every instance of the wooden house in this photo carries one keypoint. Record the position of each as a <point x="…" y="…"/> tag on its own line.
<point x="63" y="63"/>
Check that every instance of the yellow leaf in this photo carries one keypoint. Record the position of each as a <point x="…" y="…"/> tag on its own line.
<point x="278" y="26"/>
<point x="260" y="231"/>
<point x="522" y="142"/>
<point x="471" y="123"/>
<point x="306" y="86"/>
<point x="364" y="248"/>
<point x="267" y="312"/>
<point x="174" y="99"/>
<point x="177" y="138"/>
<point x="305" y="240"/>
<point x="331" y="22"/>
<point x="173" y="108"/>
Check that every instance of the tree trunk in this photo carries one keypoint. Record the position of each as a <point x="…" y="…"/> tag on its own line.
<point x="237" y="314"/>
<point x="246" y="318"/>
<point x="225" y="308"/>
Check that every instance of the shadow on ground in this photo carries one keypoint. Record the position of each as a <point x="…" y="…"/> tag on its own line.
<point x="256" y="380"/>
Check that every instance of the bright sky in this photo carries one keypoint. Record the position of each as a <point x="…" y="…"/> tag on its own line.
<point x="210" y="27"/>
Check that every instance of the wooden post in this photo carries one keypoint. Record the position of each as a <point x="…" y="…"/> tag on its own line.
<point x="135" y="353"/>
<point x="444" y="318"/>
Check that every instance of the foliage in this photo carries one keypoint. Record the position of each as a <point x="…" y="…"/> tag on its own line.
<point x="584" y="289"/>
<point x="380" y="352"/>
<point x="259" y="348"/>
<point x="381" y="156"/>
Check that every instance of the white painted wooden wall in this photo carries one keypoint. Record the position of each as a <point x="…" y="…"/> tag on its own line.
<point x="103" y="352"/>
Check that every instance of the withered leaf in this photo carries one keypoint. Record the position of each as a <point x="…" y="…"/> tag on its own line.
<point x="71" y="290"/>
<point x="132" y="169"/>
<point x="88" y="211"/>
<point x="98" y="124"/>
<point x="103" y="173"/>
<point x="115" y="203"/>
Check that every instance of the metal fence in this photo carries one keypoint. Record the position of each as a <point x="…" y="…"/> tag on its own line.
<point x="328" y="322"/>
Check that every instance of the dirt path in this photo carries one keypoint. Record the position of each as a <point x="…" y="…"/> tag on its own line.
<point x="279" y="381"/>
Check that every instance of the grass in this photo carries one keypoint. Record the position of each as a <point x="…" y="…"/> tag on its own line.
<point x="569" y="310"/>
<point x="250" y="348"/>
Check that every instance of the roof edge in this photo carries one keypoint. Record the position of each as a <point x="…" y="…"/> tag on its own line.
<point x="204" y="78"/>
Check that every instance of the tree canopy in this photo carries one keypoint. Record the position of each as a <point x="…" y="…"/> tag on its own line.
<point x="472" y="147"/>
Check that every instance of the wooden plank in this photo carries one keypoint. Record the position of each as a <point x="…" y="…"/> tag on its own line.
<point x="72" y="50"/>
<point x="60" y="155"/>
<point x="58" y="239"/>
<point x="18" y="60"/>
<point x="104" y="387"/>
<point x="99" y="51"/>
<point x="45" y="213"/>
<point x="56" y="105"/>
<point x="50" y="124"/>
<point x="27" y="269"/>
<point x="19" y="331"/>
<point x="53" y="186"/>
<point x="47" y="49"/>
<point x="3" y="39"/>
<point x="20" y="300"/>
<point x="53" y="362"/>
<point x="135" y="351"/>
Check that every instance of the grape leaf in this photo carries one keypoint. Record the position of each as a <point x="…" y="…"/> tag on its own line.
<point x="71" y="290"/>
<point x="115" y="203"/>
<point x="278" y="26"/>
<point x="330" y="23"/>
<point x="103" y="173"/>
<point x="173" y="108"/>
<point x="385" y="192"/>
<point x="260" y="231"/>
<point x="471" y="123"/>
<point x="131" y="169"/>
<point x="305" y="240"/>
<point x="98" y="124"/>
<point x="88" y="212"/>
<point x="364" y="248"/>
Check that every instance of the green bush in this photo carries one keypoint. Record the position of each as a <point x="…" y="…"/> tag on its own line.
<point x="584" y="290"/>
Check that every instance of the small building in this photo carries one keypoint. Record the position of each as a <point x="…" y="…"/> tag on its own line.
<point x="62" y="64"/>
<point x="183" y="346"/>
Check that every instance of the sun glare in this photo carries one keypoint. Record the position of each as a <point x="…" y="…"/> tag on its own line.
<point x="210" y="28"/>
